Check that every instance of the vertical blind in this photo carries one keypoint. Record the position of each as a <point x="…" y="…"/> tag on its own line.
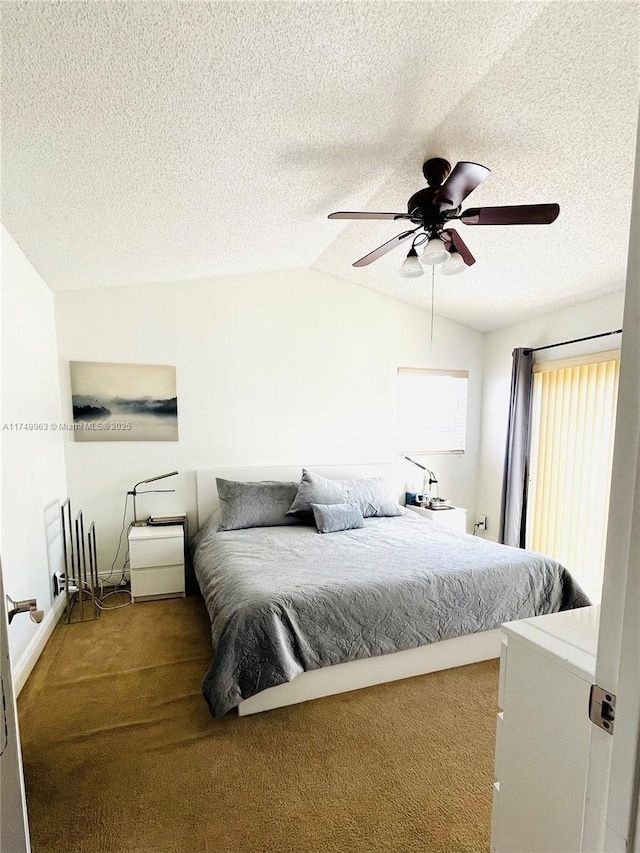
<point x="573" y="424"/>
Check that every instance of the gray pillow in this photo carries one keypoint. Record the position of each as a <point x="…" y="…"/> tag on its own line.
<point x="314" y="489"/>
<point x="262" y="504"/>
<point x="370" y="495"/>
<point x="335" y="517"/>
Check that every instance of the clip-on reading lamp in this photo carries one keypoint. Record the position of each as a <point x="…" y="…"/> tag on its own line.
<point x="134" y="493"/>
<point x="432" y="477"/>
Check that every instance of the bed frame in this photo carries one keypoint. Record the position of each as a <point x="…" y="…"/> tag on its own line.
<point x="354" y="675"/>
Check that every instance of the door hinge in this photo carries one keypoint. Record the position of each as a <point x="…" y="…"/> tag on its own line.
<point x="602" y="708"/>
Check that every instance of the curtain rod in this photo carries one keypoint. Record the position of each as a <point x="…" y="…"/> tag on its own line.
<point x="575" y="341"/>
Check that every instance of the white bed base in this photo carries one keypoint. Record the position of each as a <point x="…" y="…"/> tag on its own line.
<point x="354" y="675"/>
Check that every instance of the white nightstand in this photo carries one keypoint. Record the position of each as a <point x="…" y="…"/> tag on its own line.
<point x="156" y="562"/>
<point x="455" y="518"/>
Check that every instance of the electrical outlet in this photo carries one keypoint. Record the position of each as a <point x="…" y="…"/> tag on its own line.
<point x="59" y="582"/>
<point x="482" y="522"/>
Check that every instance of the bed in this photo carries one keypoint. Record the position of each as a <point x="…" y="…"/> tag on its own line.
<point x="296" y="615"/>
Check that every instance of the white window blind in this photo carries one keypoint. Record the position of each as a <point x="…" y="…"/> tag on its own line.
<point x="573" y="424"/>
<point x="432" y="410"/>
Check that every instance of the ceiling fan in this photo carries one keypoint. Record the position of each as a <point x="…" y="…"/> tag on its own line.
<point x="433" y="207"/>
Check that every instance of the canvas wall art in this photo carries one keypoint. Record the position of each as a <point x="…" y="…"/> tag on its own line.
<point x="124" y="402"/>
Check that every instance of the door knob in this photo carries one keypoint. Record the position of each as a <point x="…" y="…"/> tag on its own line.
<point x="29" y="605"/>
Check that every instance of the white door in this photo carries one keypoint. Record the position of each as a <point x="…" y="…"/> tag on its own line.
<point x="612" y="796"/>
<point x="14" y="829"/>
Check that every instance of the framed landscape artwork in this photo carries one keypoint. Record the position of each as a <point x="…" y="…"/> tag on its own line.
<point x="124" y="402"/>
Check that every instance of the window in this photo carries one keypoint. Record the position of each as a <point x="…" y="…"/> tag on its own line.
<point x="432" y="410"/>
<point x="573" y="424"/>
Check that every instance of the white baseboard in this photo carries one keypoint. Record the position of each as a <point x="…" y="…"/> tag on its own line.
<point x="22" y="670"/>
<point x="490" y="538"/>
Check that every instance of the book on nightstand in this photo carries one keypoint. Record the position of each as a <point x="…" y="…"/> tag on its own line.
<point x="160" y="520"/>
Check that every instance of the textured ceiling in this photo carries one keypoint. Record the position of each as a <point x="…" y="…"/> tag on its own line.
<point x="150" y="142"/>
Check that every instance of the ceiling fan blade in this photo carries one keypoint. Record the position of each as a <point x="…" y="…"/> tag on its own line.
<point x="460" y="246"/>
<point x="464" y="178"/>
<point x="386" y="247"/>
<point x="523" y="214"/>
<point x="348" y="214"/>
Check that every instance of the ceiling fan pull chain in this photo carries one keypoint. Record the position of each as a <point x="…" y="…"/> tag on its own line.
<point x="433" y="275"/>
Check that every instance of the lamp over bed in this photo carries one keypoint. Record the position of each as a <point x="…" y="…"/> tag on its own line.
<point x="134" y="493"/>
<point x="426" y="485"/>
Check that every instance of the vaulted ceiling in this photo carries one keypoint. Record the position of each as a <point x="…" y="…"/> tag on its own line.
<point x="150" y="142"/>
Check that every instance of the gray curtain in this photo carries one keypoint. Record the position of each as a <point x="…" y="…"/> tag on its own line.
<point x="513" y="510"/>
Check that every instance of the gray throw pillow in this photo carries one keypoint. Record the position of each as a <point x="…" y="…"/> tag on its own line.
<point x="370" y="495"/>
<point x="262" y="504"/>
<point x="314" y="489"/>
<point x="335" y="517"/>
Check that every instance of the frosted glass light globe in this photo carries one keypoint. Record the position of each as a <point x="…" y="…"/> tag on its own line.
<point x="454" y="265"/>
<point x="435" y="252"/>
<point x="411" y="267"/>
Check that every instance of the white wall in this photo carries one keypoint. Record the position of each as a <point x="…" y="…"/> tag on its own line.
<point x="589" y="318"/>
<point x="281" y="368"/>
<point x="33" y="471"/>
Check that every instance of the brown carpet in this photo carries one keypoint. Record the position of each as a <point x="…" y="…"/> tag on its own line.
<point x="121" y="753"/>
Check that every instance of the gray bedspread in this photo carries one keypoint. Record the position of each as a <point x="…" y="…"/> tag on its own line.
<point x="283" y="600"/>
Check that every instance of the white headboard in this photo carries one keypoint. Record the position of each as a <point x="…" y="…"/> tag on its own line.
<point x="207" y="493"/>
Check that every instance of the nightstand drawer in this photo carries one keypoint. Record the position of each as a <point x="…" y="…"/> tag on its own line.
<point x="495" y="817"/>
<point x="164" y="551"/>
<point x="503" y="673"/>
<point x="157" y="581"/>
<point x="455" y="518"/>
<point x="498" y="759"/>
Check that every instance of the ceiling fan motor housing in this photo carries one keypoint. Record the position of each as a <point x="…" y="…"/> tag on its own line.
<point x="425" y="203"/>
<point x="425" y="210"/>
<point x="436" y="171"/>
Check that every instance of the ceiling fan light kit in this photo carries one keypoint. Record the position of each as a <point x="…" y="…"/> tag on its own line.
<point x="411" y="267"/>
<point x="435" y="252"/>
<point x="433" y="207"/>
<point x="454" y="265"/>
